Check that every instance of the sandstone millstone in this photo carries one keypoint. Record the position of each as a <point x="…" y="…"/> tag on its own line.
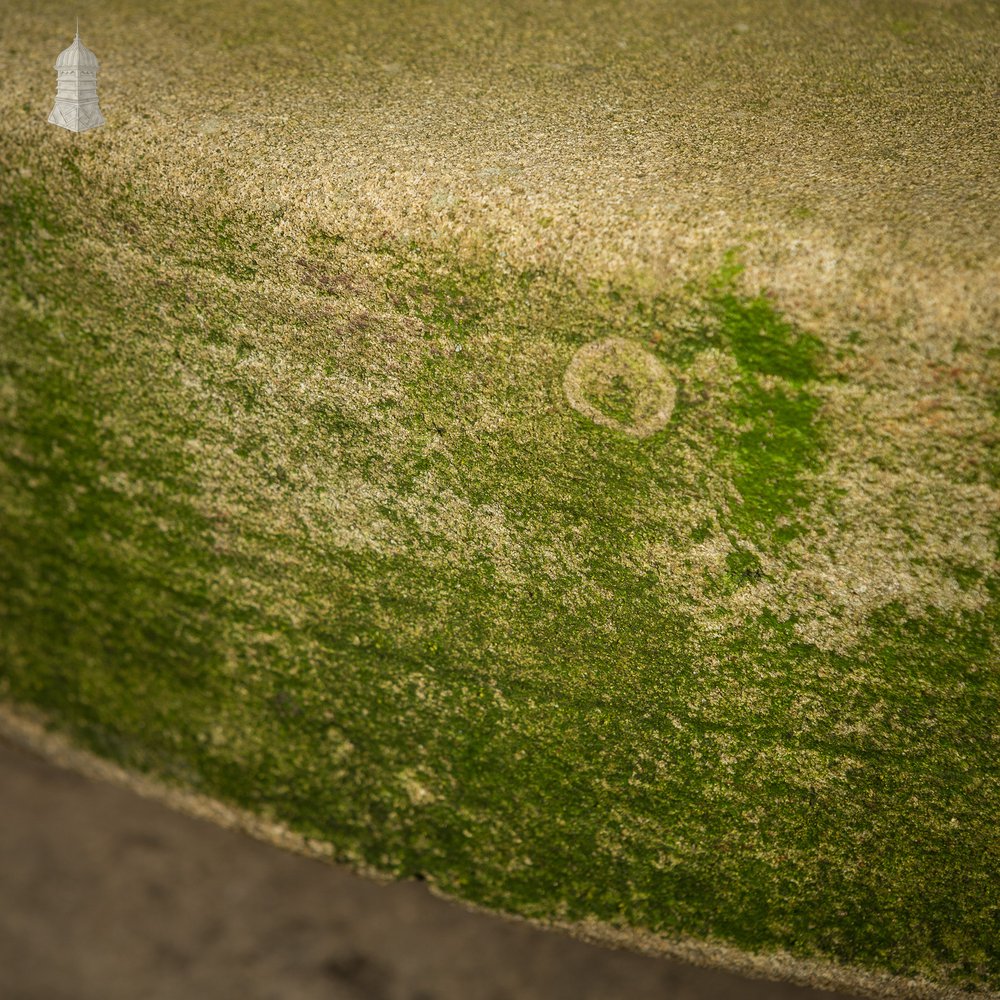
<point x="550" y="449"/>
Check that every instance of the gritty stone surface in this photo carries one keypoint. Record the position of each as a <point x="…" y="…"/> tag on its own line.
<point x="853" y="153"/>
<point x="849" y="151"/>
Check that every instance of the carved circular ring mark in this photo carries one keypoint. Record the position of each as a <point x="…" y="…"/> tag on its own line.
<point x="619" y="385"/>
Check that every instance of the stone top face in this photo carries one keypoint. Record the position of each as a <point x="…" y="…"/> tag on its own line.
<point x="853" y="157"/>
<point x="77" y="56"/>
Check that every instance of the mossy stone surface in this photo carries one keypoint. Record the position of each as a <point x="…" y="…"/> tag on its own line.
<point x="307" y="514"/>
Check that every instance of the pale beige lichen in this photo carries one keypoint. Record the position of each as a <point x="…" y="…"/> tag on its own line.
<point x="417" y="791"/>
<point x="590" y="378"/>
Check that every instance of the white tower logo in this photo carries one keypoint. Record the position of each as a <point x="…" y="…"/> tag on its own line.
<point x="76" y="94"/>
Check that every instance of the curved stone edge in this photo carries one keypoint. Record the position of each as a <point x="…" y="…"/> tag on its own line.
<point x="25" y="726"/>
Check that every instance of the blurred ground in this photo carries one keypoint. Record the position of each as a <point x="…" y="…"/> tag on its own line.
<point x="104" y="894"/>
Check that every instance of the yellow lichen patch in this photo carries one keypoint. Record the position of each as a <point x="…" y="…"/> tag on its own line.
<point x="619" y="385"/>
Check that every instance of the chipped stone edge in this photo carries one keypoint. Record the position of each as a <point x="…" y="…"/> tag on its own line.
<point x="25" y="726"/>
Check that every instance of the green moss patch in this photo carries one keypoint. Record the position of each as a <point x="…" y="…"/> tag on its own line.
<point x="311" y="526"/>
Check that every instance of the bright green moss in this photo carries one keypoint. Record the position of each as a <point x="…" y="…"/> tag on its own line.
<point x="427" y="644"/>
